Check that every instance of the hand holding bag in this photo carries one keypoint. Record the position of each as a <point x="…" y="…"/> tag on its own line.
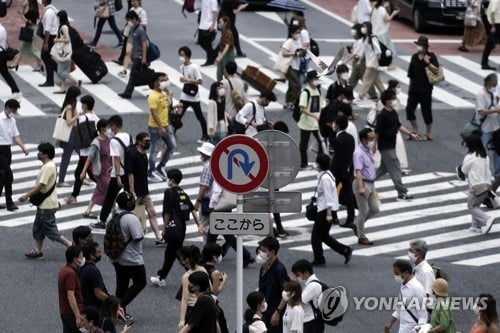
<point x="432" y="77"/>
<point x="38" y="198"/>
<point x="61" y="52"/>
<point x="62" y="131"/>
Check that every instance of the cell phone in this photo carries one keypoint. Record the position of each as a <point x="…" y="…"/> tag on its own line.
<point x="130" y="322"/>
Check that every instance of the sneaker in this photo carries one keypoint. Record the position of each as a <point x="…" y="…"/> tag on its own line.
<point x="160" y="243"/>
<point x="122" y="74"/>
<point x="489" y="224"/>
<point x="176" y="153"/>
<point x="348" y="256"/>
<point x="154" y="179"/>
<point x="155" y="280"/>
<point x="63" y="184"/>
<point x="71" y="200"/>
<point x="12" y="207"/>
<point x="162" y="172"/>
<point x="98" y="225"/>
<point x="404" y="196"/>
<point x="17" y="96"/>
<point x="159" y="175"/>
<point x="475" y="230"/>
<point x="33" y="255"/>
<point x="283" y="234"/>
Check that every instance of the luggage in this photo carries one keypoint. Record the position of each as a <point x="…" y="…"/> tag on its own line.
<point x="257" y="79"/>
<point x="90" y="63"/>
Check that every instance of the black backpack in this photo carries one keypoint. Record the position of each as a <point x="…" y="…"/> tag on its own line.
<point x="296" y="110"/>
<point x="385" y="54"/>
<point x="318" y="315"/>
<point x="314" y="47"/>
<point x="246" y="325"/>
<point x="127" y="150"/>
<point x="114" y="241"/>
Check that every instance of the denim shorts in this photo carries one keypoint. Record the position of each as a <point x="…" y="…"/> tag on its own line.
<point x="45" y="225"/>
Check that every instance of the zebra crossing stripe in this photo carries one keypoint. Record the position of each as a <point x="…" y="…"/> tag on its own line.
<point x="27" y="109"/>
<point x="34" y="78"/>
<point x="480" y="261"/>
<point x="469" y="65"/>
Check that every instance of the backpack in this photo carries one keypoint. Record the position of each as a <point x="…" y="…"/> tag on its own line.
<point x="296" y="110"/>
<point x="246" y="325"/>
<point x="114" y="241"/>
<point x="386" y="54"/>
<point x="314" y="47"/>
<point x="332" y="317"/>
<point x="126" y="151"/>
<point x="188" y="6"/>
<point x="221" y="317"/>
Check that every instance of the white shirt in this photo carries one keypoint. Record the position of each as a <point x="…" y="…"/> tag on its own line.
<point x="8" y="129"/>
<point x="293" y="319"/>
<point x="326" y="195"/>
<point x="364" y="10"/>
<point x="372" y="52"/>
<point x="257" y="326"/>
<point x="91" y="116"/>
<point x="116" y="149"/>
<point x="476" y="169"/>
<point x="245" y="116"/>
<point x="413" y="295"/>
<point x="358" y="47"/>
<point x="239" y="87"/>
<point x="208" y="7"/>
<point x="192" y="72"/>
<point x="50" y="20"/>
<point x="485" y="101"/>
<point x="379" y="26"/>
<point x="310" y="292"/>
<point x="424" y="274"/>
<point x="143" y="16"/>
<point x="291" y="45"/>
<point x="305" y="37"/>
<point x="3" y="37"/>
<point x="494" y="7"/>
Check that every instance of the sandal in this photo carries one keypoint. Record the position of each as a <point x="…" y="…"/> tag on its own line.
<point x="410" y="138"/>
<point x="426" y="138"/>
<point x="89" y="216"/>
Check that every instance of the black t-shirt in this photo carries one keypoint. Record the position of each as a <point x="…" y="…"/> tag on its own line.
<point x="416" y="73"/>
<point x="138" y="166"/>
<point x="177" y="204"/>
<point x="335" y="89"/>
<point x="203" y="317"/>
<point x="271" y="285"/>
<point x="227" y="7"/>
<point x="91" y="278"/>
<point x="387" y="127"/>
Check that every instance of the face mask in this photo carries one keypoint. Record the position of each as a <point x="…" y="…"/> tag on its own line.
<point x="370" y="144"/>
<point x="475" y="308"/>
<point x="192" y="289"/>
<point x="344" y="76"/>
<point x="285" y="296"/>
<point x="315" y="83"/>
<point x="353" y="32"/>
<point x="222" y="92"/>
<point x="261" y="258"/>
<point x="163" y="85"/>
<point x="83" y="330"/>
<point x="39" y="155"/>
<point x="220" y="26"/>
<point x="412" y="257"/>
<point x="146" y="145"/>
<point x="394" y="103"/>
<point x="81" y="263"/>
<point x="363" y="30"/>
<point x="264" y="307"/>
<point x="296" y="37"/>
<point x="346" y="101"/>
<point x="182" y="59"/>
<point x="419" y="48"/>
<point x="109" y="133"/>
<point x="218" y="259"/>
<point x="97" y="259"/>
<point x="398" y="91"/>
<point x="398" y="279"/>
<point x="492" y="89"/>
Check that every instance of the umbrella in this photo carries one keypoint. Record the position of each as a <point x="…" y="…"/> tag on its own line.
<point x="288" y="4"/>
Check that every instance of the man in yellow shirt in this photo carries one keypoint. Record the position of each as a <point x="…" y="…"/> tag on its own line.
<point x="159" y="126"/>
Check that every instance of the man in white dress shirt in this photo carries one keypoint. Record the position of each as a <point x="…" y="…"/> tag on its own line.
<point x="50" y="23"/>
<point x="253" y="119"/>
<point x="422" y="269"/>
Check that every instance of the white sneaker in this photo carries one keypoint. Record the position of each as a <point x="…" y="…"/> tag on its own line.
<point x="475" y="230"/>
<point x="176" y="153"/>
<point x="155" y="280"/>
<point x="489" y="224"/>
<point x="154" y="179"/>
<point x="159" y="175"/>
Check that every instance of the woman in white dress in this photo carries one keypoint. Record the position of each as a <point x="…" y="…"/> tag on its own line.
<point x="380" y="20"/>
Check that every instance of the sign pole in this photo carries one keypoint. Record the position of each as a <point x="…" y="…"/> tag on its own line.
<point x="239" y="271"/>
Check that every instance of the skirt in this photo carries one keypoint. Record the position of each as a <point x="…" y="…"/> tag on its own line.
<point x="474" y="36"/>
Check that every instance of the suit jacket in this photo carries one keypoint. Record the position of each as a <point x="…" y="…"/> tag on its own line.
<point x="342" y="151"/>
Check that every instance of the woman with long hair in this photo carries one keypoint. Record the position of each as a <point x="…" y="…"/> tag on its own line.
<point x="216" y="113"/>
<point x="293" y="319"/>
<point x="486" y="315"/>
<point x="68" y="109"/>
<point x="30" y="15"/>
<point x="253" y="315"/>
<point x="226" y="46"/>
<point x="372" y="51"/>
<point x="476" y="167"/>
<point x="109" y="313"/>
<point x="211" y="256"/>
<point x="111" y="21"/>
<point x="380" y="20"/>
<point x="64" y="67"/>
<point x="473" y="35"/>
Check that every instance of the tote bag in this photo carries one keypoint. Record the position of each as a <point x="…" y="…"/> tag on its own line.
<point x="61" y="52"/>
<point x="62" y="131"/>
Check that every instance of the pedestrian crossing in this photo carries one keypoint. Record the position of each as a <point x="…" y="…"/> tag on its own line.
<point x="438" y="213"/>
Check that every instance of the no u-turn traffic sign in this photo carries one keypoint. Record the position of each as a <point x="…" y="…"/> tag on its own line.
<point x="239" y="163"/>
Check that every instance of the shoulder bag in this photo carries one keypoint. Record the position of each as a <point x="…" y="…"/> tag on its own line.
<point x="62" y="131"/>
<point x="312" y="207"/>
<point x="38" y="198"/>
<point x="10" y="53"/>
<point x="472" y="127"/>
<point x="189" y="88"/>
<point x="40" y="32"/>
<point x="432" y="77"/>
<point x="470" y="18"/>
<point x="86" y="132"/>
<point x="102" y="10"/>
<point x="481" y="189"/>
<point x="61" y="51"/>
<point x="237" y="100"/>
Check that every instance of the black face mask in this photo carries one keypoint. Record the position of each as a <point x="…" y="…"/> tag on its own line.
<point x="97" y="259"/>
<point x="146" y="145"/>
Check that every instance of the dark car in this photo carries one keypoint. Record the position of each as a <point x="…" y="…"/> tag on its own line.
<point x="432" y="13"/>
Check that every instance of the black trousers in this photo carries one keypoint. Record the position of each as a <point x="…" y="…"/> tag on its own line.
<point x="314" y="326"/>
<point x="112" y="24"/>
<point x="124" y="274"/>
<point x="124" y="49"/>
<point x="134" y="69"/>
<point x="346" y="198"/>
<point x="79" y="168"/>
<point x="321" y="234"/>
<point x="491" y="42"/>
<point x="304" y="141"/>
<point x="4" y="71"/>
<point x="69" y="323"/>
<point x="109" y="200"/>
<point x="424" y="98"/>
<point x="50" y="64"/>
<point x="6" y="176"/>
<point x="174" y="243"/>
<point x="236" y="37"/>
<point x="196" y="106"/>
<point x="205" y="39"/>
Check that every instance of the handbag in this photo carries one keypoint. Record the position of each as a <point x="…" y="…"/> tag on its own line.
<point x="86" y="132"/>
<point x="226" y="203"/>
<point x="174" y="118"/>
<point x="189" y="88"/>
<point x="26" y="34"/>
<point x="282" y="63"/>
<point x="472" y="127"/>
<point x="480" y="189"/>
<point x="144" y="76"/>
<point x="38" y="198"/>
<point x="102" y="11"/>
<point x="62" y="131"/>
<point x="312" y="208"/>
<point x="470" y="18"/>
<point x="61" y="52"/>
<point x="153" y="52"/>
<point x="432" y="77"/>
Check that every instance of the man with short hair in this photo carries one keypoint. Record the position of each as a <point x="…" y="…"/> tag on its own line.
<point x="203" y="316"/>
<point x="311" y="291"/>
<point x="45" y="219"/>
<point x="8" y="134"/>
<point x="68" y="285"/>
<point x="207" y="29"/>
<point x="423" y="271"/>
<point x="233" y="85"/>
<point x="252" y="120"/>
<point x="50" y="23"/>
<point x="411" y="311"/>
<point x="81" y="235"/>
<point x="92" y="285"/>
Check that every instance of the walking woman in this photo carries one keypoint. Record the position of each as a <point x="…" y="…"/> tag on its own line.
<point x="226" y="47"/>
<point x="68" y="111"/>
<point x="30" y="15"/>
<point x="253" y="315"/>
<point x="328" y="203"/>
<point x="486" y="315"/>
<point x="474" y="34"/>
<point x="111" y="20"/>
<point x="211" y="256"/>
<point x="381" y="23"/>
<point x="372" y="51"/>
<point x="109" y="313"/>
<point x="4" y="71"/>
<point x="293" y="48"/>
<point x="64" y="65"/>
<point x="400" y="144"/>
<point x="476" y="167"/>
<point x="216" y="113"/>
<point x="231" y="8"/>
<point x="442" y="319"/>
<point x="293" y="319"/>
<point x="99" y="161"/>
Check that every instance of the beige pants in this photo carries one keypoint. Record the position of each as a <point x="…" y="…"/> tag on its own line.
<point x="371" y="77"/>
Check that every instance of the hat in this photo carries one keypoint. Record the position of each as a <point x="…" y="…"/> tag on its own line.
<point x="206" y="149"/>
<point x="440" y="287"/>
<point x="422" y="40"/>
<point x="312" y="75"/>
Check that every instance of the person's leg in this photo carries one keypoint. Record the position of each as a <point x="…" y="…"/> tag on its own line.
<point x="350" y="202"/>
<point x="488" y="47"/>
<point x="78" y="183"/>
<point x="109" y="199"/>
<point x="112" y="24"/>
<point x="170" y="255"/>
<point x="479" y="217"/>
<point x="321" y="143"/>
<point x="206" y="44"/>
<point x="4" y="71"/>
<point x="362" y="202"/>
<point x="378" y="82"/>
<point x="136" y="66"/>
<point x="369" y="77"/>
<point x="154" y="134"/>
<point x="331" y="242"/>
<point x="294" y="86"/>
<point x="169" y="140"/>
<point x="138" y="276"/>
<point x="50" y="64"/>
<point x="69" y="323"/>
<point x="411" y="106"/>
<point x="201" y="119"/>
<point x="426" y="107"/>
<point x="316" y="241"/>
<point x="373" y="202"/>
<point x="123" y="50"/>
<point x="98" y="31"/>
<point x="122" y="280"/>
<point x="236" y="36"/>
<point x="8" y="176"/>
<point x="65" y="158"/>
<point x="391" y="162"/>
<point x="153" y="222"/>
<point x="304" y="140"/>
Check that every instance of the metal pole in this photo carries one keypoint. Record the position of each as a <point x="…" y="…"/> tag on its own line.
<point x="272" y="168"/>
<point x="239" y="271"/>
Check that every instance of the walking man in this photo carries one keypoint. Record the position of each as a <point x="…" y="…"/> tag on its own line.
<point x="92" y="285"/>
<point x="8" y="134"/>
<point x="492" y="25"/>
<point x="364" y="184"/>
<point x="70" y="294"/>
<point x="45" y="189"/>
<point x="207" y="29"/>
<point x="423" y="271"/>
<point x="50" y="23"/>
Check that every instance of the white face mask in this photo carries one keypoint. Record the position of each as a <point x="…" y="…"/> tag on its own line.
<point x="285" y="296"/>
<point x="493" y="89"/>
<point x="315" y="83"/>
<point x="398" y="279"/>
<point x="263" y="307"/>
<point x="394" y="103"/>
<point x="222" y="92"/>
<point x="261" y="258"/>
<point x="182" y="59"/>
<point x="370" y="144"/>
<point x="83" y="330"/>
<point x="353" y="32"/>
<point x="364" y="30"/>
<point x="344" y="76"/>
<point x="412" y="257"/>
<point x="475" y="308"/>
<point x="296" y="36"/>
<point x="81" y="262"/>
<point x="419" y="48"/>
<point x="218" y="259"/>
<point x="109" y="133"/>
<point x="398" y="91"/>
<point x="163" y="85"/>
<point x="346" y="101"/>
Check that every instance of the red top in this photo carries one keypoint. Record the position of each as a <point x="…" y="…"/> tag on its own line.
<point x="68" y="280"/>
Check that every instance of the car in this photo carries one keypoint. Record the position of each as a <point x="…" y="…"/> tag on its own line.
<point x="432" y="13"/>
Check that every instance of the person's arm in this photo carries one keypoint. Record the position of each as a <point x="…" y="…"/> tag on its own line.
<point x="184" y="300"/>
<point x="360" y="183"/>
<point x="144" y="50"/>
<point x="215" y="14"/>
<point x="388" y="17"/>
<point x="222" y="54"/>
<point x="37" y="188"/>
<point x="19" y="142"/>
<point x="211" y="117"/>
<point x="100" y="294"/>
<point x="201" y="195"/>
<point x="389" y="324"/>
<point x="73" y="305"/>
<point x="186" y="329"/>
<point x="406" y="131"/>
<point x="196" y="219"/>
<point x="218" y="282"/>
<point x="117" y="166"/>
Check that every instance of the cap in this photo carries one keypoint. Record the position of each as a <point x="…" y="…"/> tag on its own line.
<point x="422" y="40"/>
<point x="206" y="149"/>
<point x="440" y="287"/>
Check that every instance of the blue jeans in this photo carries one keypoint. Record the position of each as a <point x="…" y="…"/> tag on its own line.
<point x="486" y="138"/>
<point x="156" y="137"/>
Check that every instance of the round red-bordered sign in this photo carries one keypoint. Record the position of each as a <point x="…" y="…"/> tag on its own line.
<point x="239" y="163"/>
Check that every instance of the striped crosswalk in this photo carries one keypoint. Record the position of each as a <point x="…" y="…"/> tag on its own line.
<point x="438" y="213"/>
